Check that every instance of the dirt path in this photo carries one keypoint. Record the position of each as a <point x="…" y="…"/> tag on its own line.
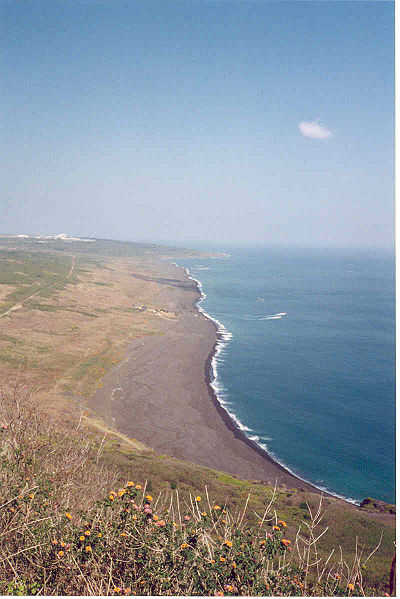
<point x="19" y="305"/>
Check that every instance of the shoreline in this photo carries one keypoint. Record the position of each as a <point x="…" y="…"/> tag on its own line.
<point x="161" y="394"/>
<point x="228" y="419"/>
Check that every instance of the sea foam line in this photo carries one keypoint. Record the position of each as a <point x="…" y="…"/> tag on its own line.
<point x="223" y="336"/>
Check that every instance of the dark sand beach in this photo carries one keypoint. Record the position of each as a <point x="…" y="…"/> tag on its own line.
<point x="160" y="394"/>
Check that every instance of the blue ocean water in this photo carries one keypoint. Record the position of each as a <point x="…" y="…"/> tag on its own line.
<point x="309" y="370"/>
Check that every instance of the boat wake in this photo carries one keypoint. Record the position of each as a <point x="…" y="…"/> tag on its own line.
<point x="277" y="316"/>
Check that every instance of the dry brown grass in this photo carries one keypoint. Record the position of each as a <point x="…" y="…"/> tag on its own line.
<point x="64" y="340"/>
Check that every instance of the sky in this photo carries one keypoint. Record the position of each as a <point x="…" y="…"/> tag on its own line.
<point x="225" y="121"/>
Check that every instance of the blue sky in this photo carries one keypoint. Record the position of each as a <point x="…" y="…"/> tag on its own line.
<point x="182" y="121"/>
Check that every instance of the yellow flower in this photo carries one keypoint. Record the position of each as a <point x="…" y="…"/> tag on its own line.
<point x="68" y="515"/>
<point x="63" y="544"/>
<point x="54" y="542"/>
<point x="155" y="517"/>
<point x="60" y="553"/>
<point x="111" y="497"/>
<point x="223" y="521"/>
<point x="123" y="534"/>
<point x="88" y="548"/>
<point x="138" y="487"/>
<point x="228" y="543"/>
<point x="222" y="559"/>
<point x="149" y="498"/>
<point x="130" y="484"/>
<point x="87" y="532"/>
<point x="198" y="498"/>
<point x="282" y="523"/>
<point x="99" y="535"/>
<point x="82" y="538"/>
<point x="31" y="496"/>
<point x="121" y="492"/>
<point x="350" y="586"/>
<point x="217" y="507"/>
<point x="184" y="545"/>
<point x="275" y="528"/>
<point x="233" y="564"/>
<point x="116" y="590"/>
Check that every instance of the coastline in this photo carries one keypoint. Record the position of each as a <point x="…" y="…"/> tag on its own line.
<point x="162" y="392"/>
<point x="210" y="373"/>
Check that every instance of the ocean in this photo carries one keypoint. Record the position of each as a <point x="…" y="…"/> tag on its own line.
<point x="306" y="359"/>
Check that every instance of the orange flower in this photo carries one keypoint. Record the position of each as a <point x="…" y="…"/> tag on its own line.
<point x="149" y="498"/>
<point x="87" y="532"/>
<point x="99" y="535"/>
<point x="138" y="487"/>
<point x="282" y="523"/>
<point x="68" y="515"/>
<point x="286" y="542"/>
<point x="111" y="497"/>
<point x="350" y="586"/>
<point x="60" y="553"/>
<point x="54" y="542"/>
<point x="223" y="521"/>
<point x="275" y="528"/>
<point x="198" y="498"/>
<point x="130" y="484"/>
<point x="184" y="545"/>
<point x="121" y="492"/>
<point x="222" y="559"/>
<point x="116" y="590"/>
<point x="88" y="548"/>
<point x="217" y="507"/>
<point x="155" y="517"/>
<point x="81" y="538"/>
<point x="229" y="543"/>
<point x="204" y="513"/>
<point x="233" y="564"/>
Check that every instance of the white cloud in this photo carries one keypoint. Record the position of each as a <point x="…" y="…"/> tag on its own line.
<point x="314" y="130"/>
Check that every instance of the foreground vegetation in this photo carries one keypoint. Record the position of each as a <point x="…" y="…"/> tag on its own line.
<point x="78" y="517"/>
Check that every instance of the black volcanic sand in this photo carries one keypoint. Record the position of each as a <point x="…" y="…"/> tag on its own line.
<point x="161" y="394"/>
